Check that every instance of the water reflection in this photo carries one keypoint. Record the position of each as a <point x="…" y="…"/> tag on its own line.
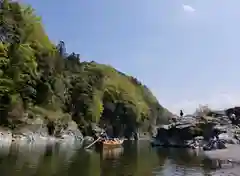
<point x="134" y="159"/>
<point x="113" y="153"/>
<point x="142" y="160"/>
<point x="34" y="159"/>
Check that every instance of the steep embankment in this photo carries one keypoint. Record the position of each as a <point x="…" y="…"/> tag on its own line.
<point x="39" y="80"/>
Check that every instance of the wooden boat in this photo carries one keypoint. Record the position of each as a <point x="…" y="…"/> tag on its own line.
<point x="111" y="143"/>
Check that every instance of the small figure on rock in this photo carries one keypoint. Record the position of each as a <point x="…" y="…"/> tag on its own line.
<point x="181" y="113"/>
<point x="234" y="119"/>
<point x="233" y="116"/>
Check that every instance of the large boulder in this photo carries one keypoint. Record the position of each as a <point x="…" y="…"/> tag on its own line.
<point x="188" y="128"/>
<point x="228" y="138"/>
<point x="36" y="130"/>
<point x="71" y="132"/>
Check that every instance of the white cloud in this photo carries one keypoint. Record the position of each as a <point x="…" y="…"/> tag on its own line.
<point x="188" y="8"/>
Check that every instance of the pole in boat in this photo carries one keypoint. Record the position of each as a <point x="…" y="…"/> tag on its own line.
<point x="93" y="143"/>
<point x="100" y="137"/>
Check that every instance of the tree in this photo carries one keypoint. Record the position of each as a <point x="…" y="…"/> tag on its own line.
<point x="39" y="77"/>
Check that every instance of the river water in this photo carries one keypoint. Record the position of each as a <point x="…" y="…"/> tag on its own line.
<point x="136" y="158"/>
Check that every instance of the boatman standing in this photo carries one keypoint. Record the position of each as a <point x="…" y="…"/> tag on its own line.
<point x="181" y="113"/>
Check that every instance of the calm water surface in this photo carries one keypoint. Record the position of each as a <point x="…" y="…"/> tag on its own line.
<point x="135" y="159"/>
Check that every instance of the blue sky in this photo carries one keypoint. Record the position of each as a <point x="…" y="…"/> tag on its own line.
<point x="186" y="51"/>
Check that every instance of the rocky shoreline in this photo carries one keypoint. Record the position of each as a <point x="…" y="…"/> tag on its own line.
<point x="37" y="132"/>
<point x="187" y="131"/>
<point x="219" y="138"/>
<point x="227" y="160"/>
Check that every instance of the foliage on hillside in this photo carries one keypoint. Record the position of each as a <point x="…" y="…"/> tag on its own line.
<point x="35" y="74"/>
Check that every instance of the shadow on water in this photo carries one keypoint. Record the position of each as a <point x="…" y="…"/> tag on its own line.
<point x="136" y="158"/>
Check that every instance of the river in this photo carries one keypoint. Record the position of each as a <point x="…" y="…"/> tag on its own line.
<point x="137" y="158"/>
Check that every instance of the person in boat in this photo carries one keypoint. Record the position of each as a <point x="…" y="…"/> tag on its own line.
<point x="95" y="136"/>
<point x="104" y="136"/>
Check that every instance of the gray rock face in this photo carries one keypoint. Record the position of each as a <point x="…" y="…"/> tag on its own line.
<point x="71" y="132"/>
<point x="36" y="131"/>
<point x="187" y="128"/>
<point x="228" y="138"/>
<point x="5" y="138"/>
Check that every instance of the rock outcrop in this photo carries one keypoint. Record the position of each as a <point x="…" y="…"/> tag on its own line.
<point x="36" y="131"/>
<point x="184" y="130"/>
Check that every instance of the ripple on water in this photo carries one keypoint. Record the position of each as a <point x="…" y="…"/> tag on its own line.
<point x="28" y="159"/>
<point x="134" y="159"/>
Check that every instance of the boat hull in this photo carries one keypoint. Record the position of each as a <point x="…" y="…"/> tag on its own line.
<point x="105" y="145"/>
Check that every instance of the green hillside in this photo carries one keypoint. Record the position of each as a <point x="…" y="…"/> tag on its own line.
<point x="38" y="78"/>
